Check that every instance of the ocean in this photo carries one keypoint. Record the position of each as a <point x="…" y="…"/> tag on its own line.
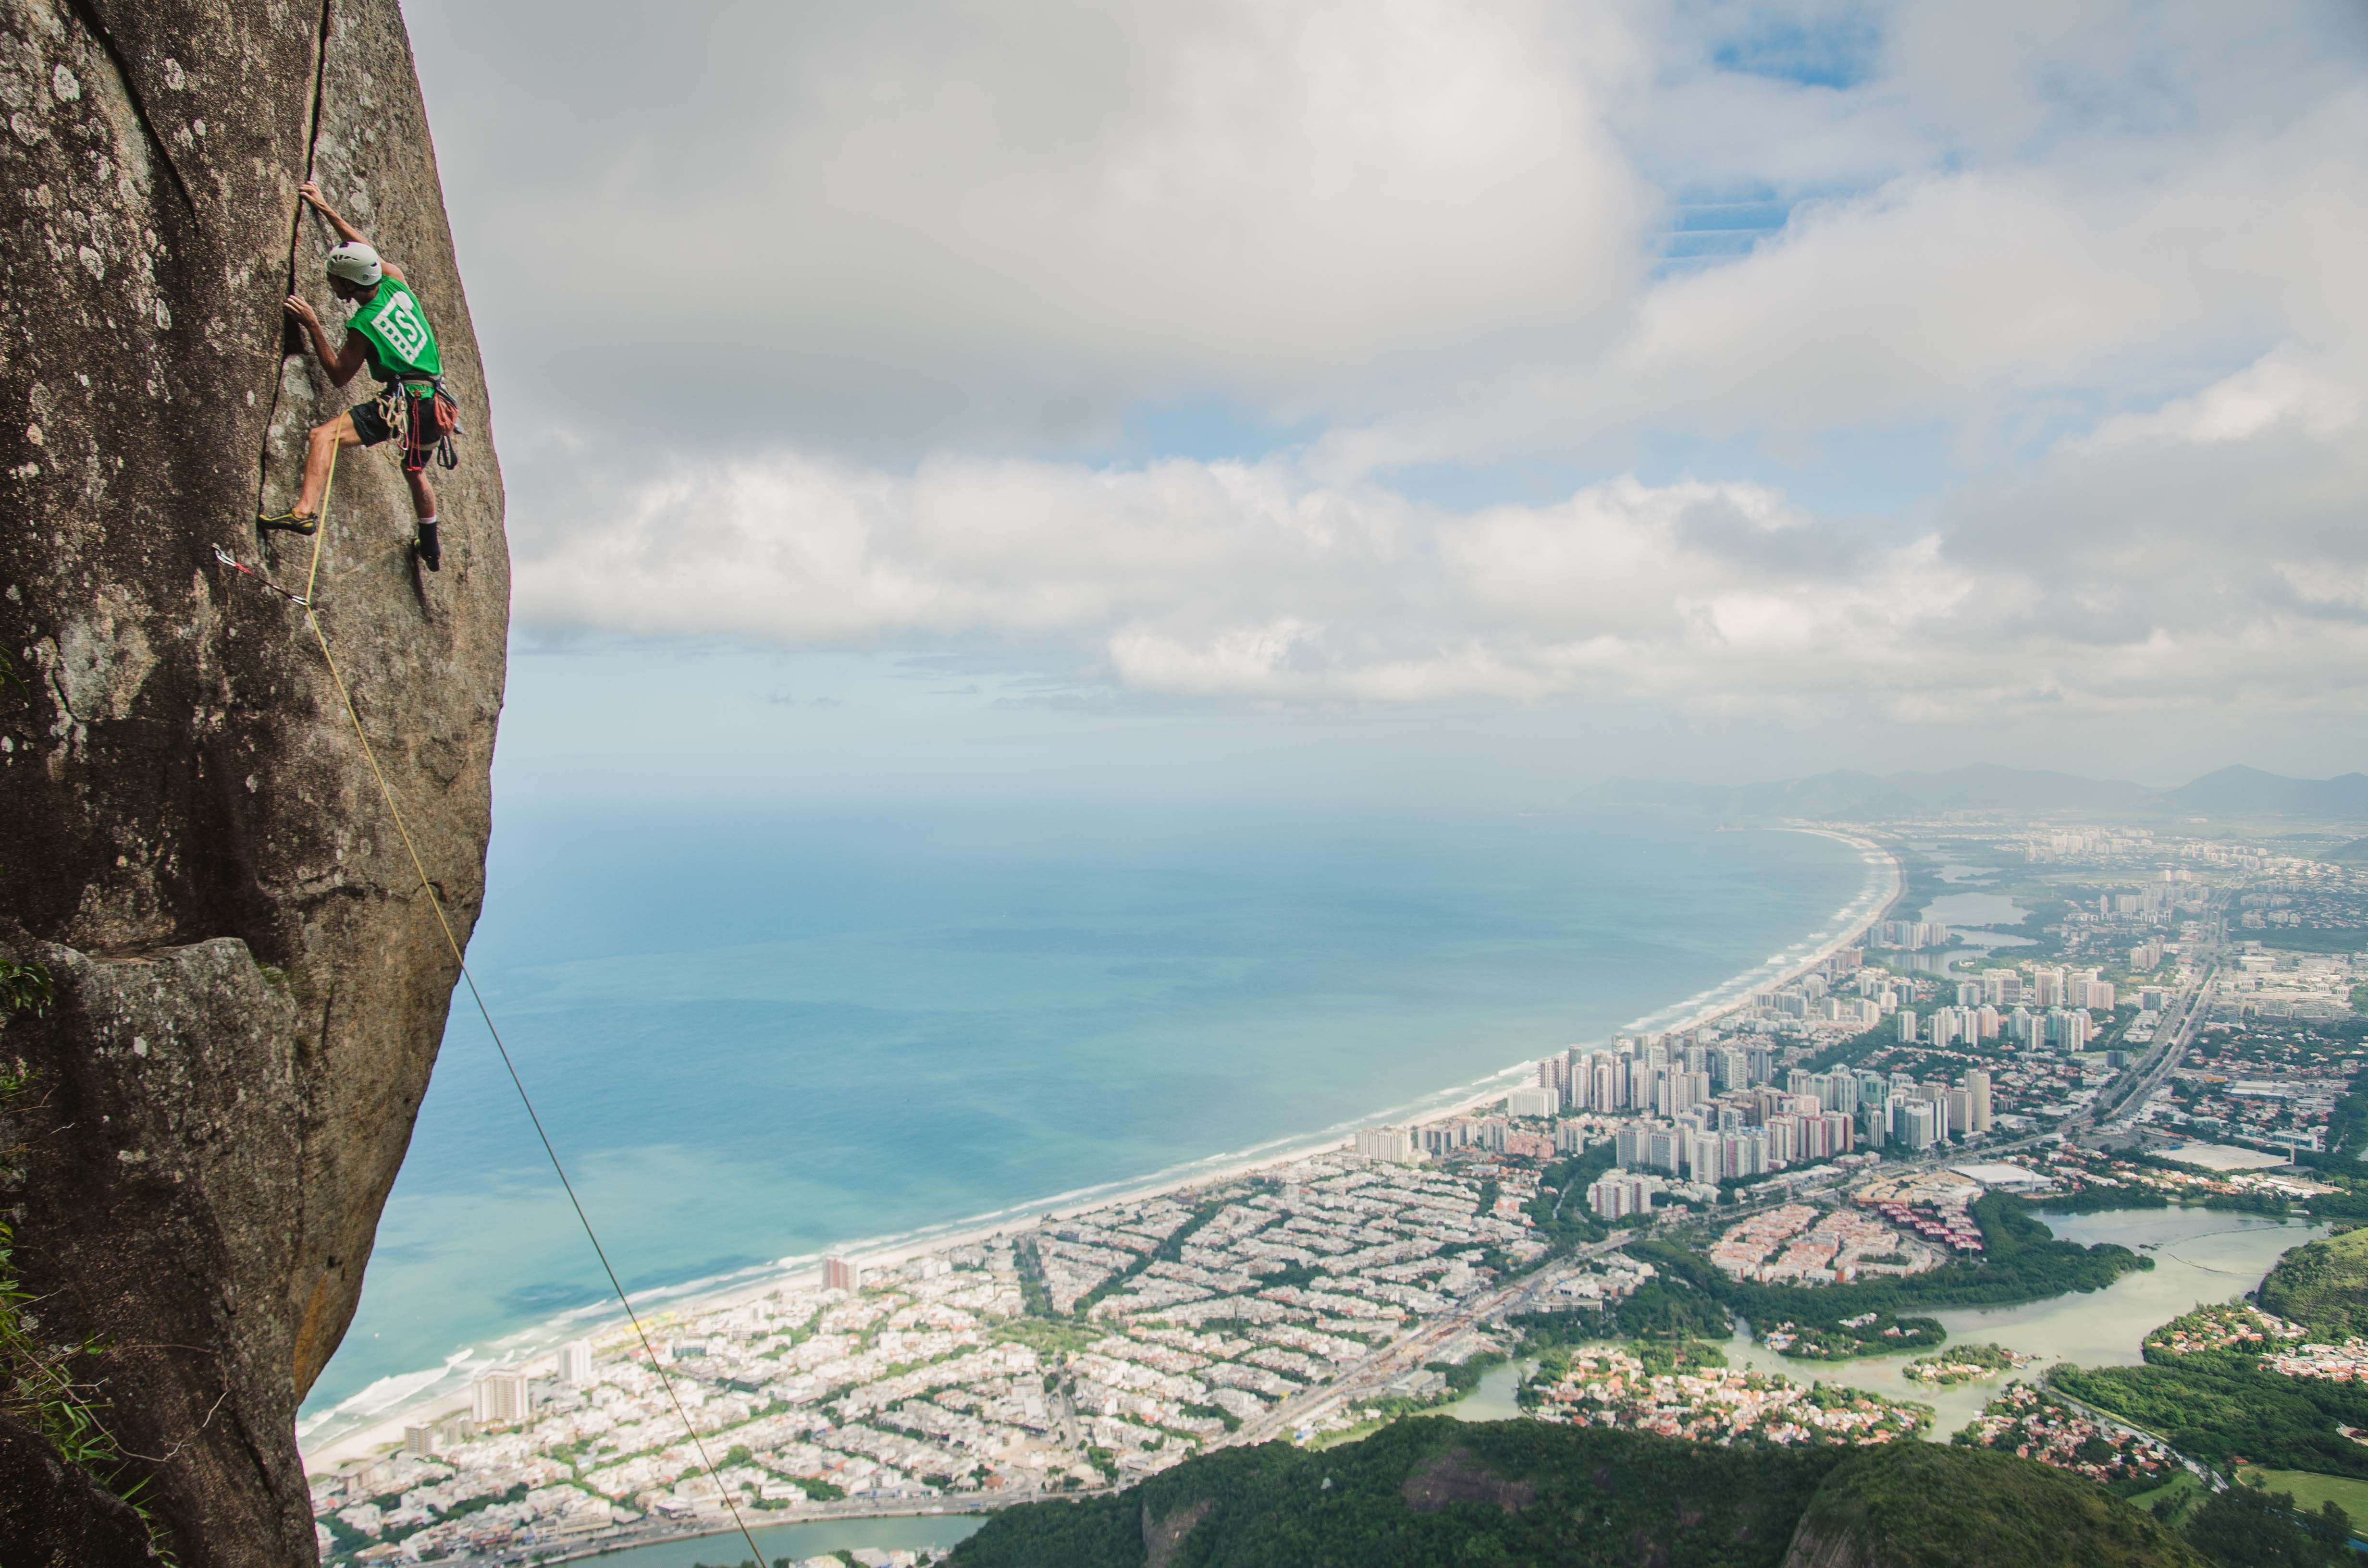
<point x="756" y="1036"/>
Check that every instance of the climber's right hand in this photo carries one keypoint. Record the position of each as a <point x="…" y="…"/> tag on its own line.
<point x="301" y="309"/>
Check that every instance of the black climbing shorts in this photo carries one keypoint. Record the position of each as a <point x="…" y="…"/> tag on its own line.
<point x="369" y="422"/>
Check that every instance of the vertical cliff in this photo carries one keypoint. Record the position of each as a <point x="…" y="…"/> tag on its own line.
<point x="250" y="986"/>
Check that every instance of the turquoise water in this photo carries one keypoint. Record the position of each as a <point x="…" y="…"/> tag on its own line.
<point x="753" y="1038"/>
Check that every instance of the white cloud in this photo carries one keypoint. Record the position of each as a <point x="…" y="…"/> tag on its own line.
<point x="836" y="293"/>
<point x="2113" y="577"/>
<point x="982" y="219"/>
<point x="2281" y="386"/>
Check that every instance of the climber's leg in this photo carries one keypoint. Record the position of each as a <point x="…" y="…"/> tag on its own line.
<point x="423" y="505"/>
<point x="321" y="451"/>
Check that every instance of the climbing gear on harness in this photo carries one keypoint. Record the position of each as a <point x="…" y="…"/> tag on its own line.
<point x="421" y="413"/>
<point x="236" y="565"/>
<point x="431" y="553"/>
<point x="291" y="521"/>
<point x="430" y="421"/>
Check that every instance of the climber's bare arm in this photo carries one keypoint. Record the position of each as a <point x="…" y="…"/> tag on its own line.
<point x="311" y="191"/>
<point x="340" y="363"/>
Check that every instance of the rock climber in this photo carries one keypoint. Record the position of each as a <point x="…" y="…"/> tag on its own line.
<point x="389" y="333"/>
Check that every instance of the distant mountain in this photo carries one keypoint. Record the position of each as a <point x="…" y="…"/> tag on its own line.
<point x="1851" y="796"/>
<point x="2248" y="791"/>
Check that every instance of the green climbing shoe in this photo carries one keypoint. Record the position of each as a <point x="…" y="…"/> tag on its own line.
<point x="290" y="522"/>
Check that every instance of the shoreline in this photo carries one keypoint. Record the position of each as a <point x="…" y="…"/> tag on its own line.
<point x="371" y="1431"/>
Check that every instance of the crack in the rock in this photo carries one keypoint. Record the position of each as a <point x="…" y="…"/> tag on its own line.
<point x="94" y="24"/>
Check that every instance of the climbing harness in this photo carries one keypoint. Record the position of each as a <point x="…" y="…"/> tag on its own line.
<point x="436" y="904"/>
<point x="425" y="420"/>
<point x="236" y="565"/>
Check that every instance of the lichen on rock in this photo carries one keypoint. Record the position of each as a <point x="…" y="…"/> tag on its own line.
<point x="250" y="985"/>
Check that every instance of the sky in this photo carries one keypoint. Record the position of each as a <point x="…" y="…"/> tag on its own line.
<point x="1404" y="400"/>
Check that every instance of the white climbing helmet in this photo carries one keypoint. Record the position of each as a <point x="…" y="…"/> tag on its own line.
<point x="355" y="263"/>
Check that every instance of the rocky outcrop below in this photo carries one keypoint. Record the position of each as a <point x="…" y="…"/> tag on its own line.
<point x="250" y="986"/>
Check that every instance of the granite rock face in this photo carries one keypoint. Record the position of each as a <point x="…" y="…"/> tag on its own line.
<point x="250" y="985"/>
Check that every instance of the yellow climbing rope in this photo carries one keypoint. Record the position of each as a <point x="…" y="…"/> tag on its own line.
<point x="312" y="619"/>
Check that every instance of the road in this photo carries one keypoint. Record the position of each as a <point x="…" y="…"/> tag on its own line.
<point x="1363" y="1378"/>
<point x="2171" y="1041"/>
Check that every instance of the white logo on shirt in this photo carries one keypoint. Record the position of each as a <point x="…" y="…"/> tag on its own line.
<point x="401" y="326"/>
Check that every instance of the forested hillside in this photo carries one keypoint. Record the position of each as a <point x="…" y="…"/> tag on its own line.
<point x="1436" y="1491"/>
<point x="2323" y="1287"/>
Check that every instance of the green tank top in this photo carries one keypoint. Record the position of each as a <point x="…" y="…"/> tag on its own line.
<point x="395" y="330"/>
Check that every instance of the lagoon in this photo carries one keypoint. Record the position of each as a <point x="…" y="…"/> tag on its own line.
<point x="2200" y="1255"/>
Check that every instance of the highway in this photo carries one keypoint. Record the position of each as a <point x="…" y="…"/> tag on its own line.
<point x="1363" y="1380"/>
<point x="2171" y="1041"/>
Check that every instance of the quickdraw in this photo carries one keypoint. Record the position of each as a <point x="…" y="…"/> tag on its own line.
<point x="236" y="565"/>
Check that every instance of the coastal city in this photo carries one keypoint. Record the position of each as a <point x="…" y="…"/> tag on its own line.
<point x="1590" y="1230"/>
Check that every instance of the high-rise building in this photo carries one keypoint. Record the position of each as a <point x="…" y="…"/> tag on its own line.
<point x="841" y="1274"/>
<point x="1906" y="1020"/>
<point x="1533" y="1102"/>
<point x="1396" y="1145"/>
<point x="1916" y="1124"/>
<point x="1618" y="1193"/>
<point x="504" y="1398"/>
<point x="1628" y="1144"/>
<point x="1977" y="1101"/>
<point x="575" y="1363"/>
<point x="1609" y="1084"/>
